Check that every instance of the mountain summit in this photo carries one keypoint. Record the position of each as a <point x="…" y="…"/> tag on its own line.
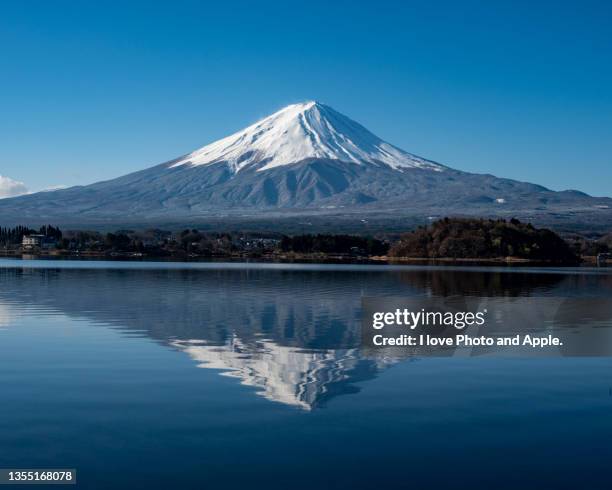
<point x="302" y="131"/>
<point x="306" y="159"/>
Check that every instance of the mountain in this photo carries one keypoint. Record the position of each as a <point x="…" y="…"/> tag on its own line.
<point x="305" y="159"/>
<point x="300" y="132"/>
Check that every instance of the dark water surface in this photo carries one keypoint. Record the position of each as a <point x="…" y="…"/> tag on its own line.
<point x="222" y="376"/>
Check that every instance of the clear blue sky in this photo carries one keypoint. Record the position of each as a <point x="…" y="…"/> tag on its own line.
<point x="93" y="90"/>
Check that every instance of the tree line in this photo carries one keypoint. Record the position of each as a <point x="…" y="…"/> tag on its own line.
<point x="14" y="236"/>
<point x="447" y="238"/>
<point x="333" y="244"/>
<point x="482" y="239"/>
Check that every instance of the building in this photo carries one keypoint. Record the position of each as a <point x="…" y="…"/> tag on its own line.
<point x="602" y="259"/>
<point x="37" y="242"/>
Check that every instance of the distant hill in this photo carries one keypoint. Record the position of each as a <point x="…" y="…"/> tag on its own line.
<point x="483" y="239"/>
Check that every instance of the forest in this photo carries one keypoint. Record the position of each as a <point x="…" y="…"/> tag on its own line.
<point x="469" y="238"/>
<point x="448" y="238"/>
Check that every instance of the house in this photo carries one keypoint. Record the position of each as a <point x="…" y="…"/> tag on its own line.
<point x="37" y="242"/>
<point x="358" y="251"/>
<point x="602" y="259"/>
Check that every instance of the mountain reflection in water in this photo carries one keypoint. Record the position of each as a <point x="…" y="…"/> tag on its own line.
<point x="291" y="334"/>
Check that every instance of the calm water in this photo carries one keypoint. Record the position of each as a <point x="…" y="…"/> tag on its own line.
<point x="227" y="376"/>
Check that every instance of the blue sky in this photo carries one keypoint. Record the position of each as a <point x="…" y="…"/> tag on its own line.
<point x="94" y="90"/>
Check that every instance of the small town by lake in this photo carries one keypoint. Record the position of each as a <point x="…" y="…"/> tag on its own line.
<point x="448" y="240"/>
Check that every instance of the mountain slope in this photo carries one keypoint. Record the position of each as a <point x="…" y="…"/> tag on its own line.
<point x="306" y="159"/>
<point x="299" y="132"/>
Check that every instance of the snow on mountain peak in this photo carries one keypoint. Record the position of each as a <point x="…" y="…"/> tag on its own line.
<point x="301" y="131"/>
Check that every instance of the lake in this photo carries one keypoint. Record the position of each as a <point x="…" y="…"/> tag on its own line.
<point x="222" y="376"/>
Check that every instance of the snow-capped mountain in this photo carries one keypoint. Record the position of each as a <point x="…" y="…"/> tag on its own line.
<point x="299" y="132"/>
<point x="296" y="377"/>
<point x="305" y="159"/>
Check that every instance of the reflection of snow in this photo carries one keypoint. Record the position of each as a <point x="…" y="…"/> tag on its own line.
<point x="6" y="315"/>
<point x="283" y="374"/>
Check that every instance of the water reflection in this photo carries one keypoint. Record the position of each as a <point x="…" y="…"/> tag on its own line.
<point x="293" y="335"/>
<point x="305" y="379"/>
<point x="7" y="316"/>
<point x="461" y="283"/>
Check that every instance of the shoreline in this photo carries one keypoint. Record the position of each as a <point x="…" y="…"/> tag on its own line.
<point x="295" y="258"/>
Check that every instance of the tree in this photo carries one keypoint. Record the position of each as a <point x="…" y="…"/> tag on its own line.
<point x="483" y="239"/>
